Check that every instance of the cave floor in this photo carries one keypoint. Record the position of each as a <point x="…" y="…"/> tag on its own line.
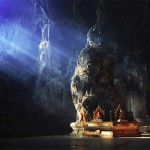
<point x="77" y="143"/>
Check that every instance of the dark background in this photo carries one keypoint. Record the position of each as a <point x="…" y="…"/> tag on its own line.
<point x="31" y="105"/>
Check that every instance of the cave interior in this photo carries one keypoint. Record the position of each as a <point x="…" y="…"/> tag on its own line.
<point x="52" y="53"/>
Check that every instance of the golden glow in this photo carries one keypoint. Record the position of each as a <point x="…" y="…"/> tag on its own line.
<point x="106" y="134"/>
<point x="92" y="125"/>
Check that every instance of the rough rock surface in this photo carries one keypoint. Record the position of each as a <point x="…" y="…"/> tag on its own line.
<point x="94" y="74"/>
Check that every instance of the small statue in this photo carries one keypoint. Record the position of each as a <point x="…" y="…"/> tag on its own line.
<point x="120" y="114"/>
<point x="80" y="112"/>
<point x="99" y="113"/>
<point x="81" y="116"/>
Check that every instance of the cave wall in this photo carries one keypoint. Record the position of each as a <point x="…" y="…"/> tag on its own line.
<point x="129" y="72"/>
<point x="93" y="80"/>
<point x="43" y="42"/>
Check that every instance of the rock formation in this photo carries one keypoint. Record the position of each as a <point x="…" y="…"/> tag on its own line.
<point x="40" y="41"/>
<point x="94" y="74"/>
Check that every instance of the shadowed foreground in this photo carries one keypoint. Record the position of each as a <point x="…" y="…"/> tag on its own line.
<point x="73" y="142"/>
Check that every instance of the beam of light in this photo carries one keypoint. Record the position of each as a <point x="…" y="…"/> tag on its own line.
<point x="18" y="52"/>
<point x="66" y="40"/>
<point x="20" y="43"/>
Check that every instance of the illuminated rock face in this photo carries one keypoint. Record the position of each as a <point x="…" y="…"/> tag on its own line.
<point x="51" y="92"/>
<point x="94" y="74"/>
<point x="49" y="89"/>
